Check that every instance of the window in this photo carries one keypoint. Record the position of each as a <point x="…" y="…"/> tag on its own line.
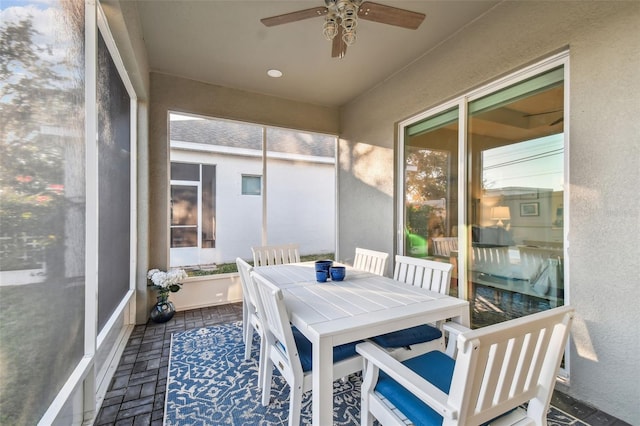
<point x="275" y="186"/>
<point x="251" y="185"/>
<point x="505" y="192"/>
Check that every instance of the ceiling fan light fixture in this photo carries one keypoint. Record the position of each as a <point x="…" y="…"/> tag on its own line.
<point x="349" y="10"/>
<point x="341" y="5"/>
<point x="349" y="24"/>
<point x="349" y="37"/>
<point x="330" y="27"/>
<point x="345" y="14"/>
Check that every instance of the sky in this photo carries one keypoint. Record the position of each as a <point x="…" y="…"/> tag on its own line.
<point x="535" y="163"/>
<point x="41" y="4"/>
<point x="52" y="34"/>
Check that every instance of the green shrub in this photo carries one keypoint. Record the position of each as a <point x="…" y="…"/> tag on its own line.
<point x="226" y="268"/>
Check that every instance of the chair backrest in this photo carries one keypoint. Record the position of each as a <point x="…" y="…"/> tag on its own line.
<point x="371" y="261"/>
<point x="491" y="260"/>
<point x="276" y="255"/>
<point x="501" y="366"/>
<point x="532" y="258"/>
<point x="273" y="311"/>
<point x="443" y="246"/>
<point x="248" y="288"/>
<point x="423" y="273"/>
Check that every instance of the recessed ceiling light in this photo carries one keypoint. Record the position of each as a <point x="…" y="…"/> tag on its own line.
<point x="274" y="73"/>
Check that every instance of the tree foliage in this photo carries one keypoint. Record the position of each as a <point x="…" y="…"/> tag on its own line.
<point x="34" y="106"/>
<point x="430" y="179"/>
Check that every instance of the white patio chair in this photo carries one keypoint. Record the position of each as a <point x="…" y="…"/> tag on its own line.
<point x="290" y="352"/>
<point x="443" y="246"/>
<point x="497" y="369"/>
<point x="423" y="273"/>
<point x="275" y="255"/>
<point x="371" y="261"/>
<point x="251" y="320"/>
<point x="414" y="341"/>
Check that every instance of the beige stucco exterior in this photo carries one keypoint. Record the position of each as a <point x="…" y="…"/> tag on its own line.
<point x="604" y="151"/>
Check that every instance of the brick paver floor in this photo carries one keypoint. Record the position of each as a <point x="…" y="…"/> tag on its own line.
<point x="137" y="390"/>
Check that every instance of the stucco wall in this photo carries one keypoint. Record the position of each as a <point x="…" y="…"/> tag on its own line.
<point x="604" y="152"/>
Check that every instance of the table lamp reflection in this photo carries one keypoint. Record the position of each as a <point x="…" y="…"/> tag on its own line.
<point x="500" y="213"/>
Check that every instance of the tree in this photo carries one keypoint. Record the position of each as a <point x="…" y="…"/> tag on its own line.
<point x="431" y="176"/>
<point x="35" y="101"/>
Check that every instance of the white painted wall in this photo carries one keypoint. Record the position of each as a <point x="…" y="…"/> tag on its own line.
<point x="300" y="197"/>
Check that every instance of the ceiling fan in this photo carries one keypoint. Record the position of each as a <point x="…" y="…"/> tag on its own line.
<point x="341" y="19"/>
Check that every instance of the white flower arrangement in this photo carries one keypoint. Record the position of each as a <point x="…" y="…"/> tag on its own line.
<point x="168" y="281"/>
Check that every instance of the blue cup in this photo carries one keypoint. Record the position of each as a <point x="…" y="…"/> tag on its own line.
<point x="322" y="276"/>
<point x="324" y="265"/>
<point x="338" y="273"/>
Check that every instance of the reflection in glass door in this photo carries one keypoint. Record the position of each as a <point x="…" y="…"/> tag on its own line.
<point x="515" y="143"/>
<point x="431" y="188"/>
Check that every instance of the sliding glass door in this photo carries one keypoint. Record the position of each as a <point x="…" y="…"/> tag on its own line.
<point x="515" y="145"/>
<point x="502" y="223"/>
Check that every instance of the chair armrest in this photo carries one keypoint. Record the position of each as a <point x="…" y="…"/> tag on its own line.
<point x="454" y="329"/>
<point x="422" y="389"/>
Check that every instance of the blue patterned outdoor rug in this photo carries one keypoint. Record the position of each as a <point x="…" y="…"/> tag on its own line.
<point x="209" y="383"/>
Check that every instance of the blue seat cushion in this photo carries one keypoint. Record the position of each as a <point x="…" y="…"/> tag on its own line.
<point x="410" y="336"/>
<point x="305" y="350"/>
<point x="436" y="368"/>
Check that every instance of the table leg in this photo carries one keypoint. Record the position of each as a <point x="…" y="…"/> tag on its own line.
<point x="464" y="319"/>
<point x="322" y="382"/>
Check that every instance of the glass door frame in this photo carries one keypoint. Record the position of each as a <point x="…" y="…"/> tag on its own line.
<point x="198" y="225"/>
<point x="462" y="103"/>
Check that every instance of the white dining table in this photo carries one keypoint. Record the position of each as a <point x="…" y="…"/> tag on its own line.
<point x="362" y="306"/>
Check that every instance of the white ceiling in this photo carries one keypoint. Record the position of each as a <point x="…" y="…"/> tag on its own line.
<point x="223" y="42"/>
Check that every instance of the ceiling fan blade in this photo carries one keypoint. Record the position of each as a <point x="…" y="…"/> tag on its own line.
<point x="338" y="46"/>
<point x="376" y="12"/>
<point x="294" y="16"/>
<point x="542" y="113"/>
<point x="558" y="121"/>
